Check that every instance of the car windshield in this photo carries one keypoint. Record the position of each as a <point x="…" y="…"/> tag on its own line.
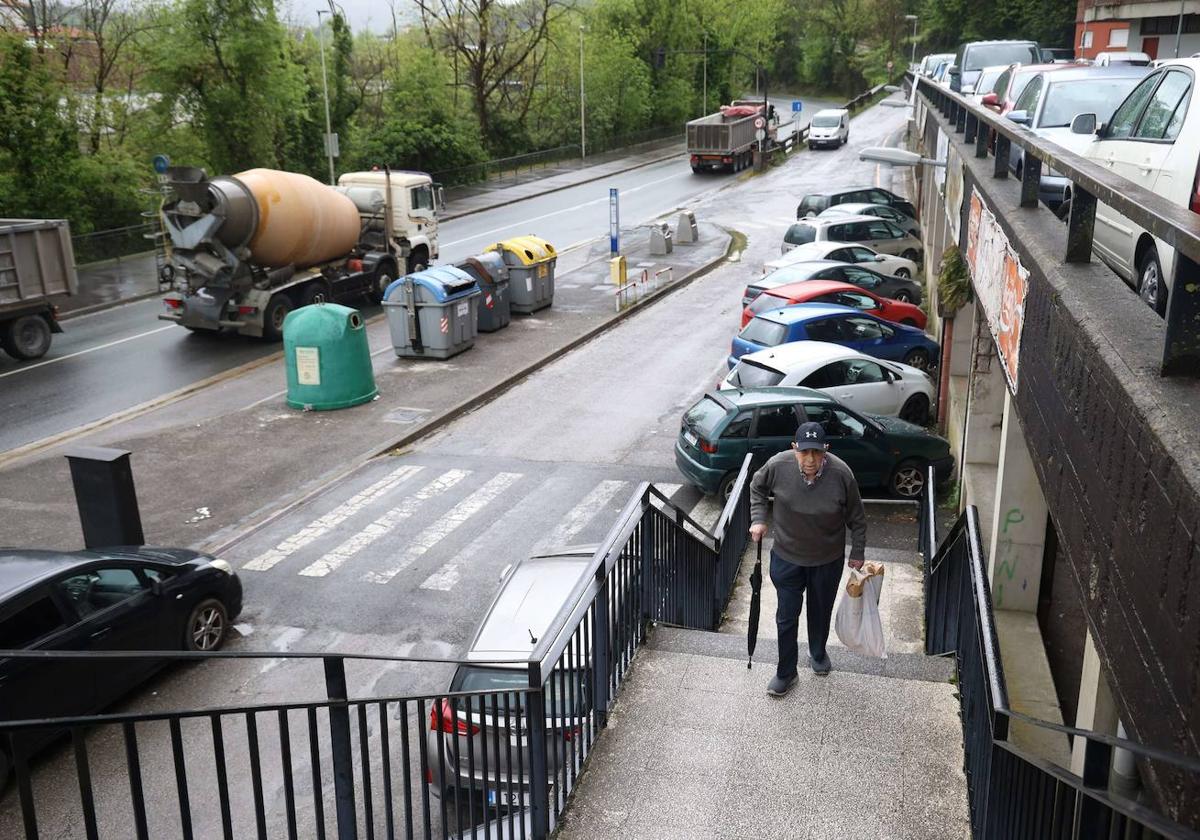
<point x="826" y="121"/>
<point x="800" y="235"/>
<point x="985" y="55"/>
<point x="752" y="374"/>
<point x="987" y="80"/>
<point x="514" y="680"/>
<point x="766" y="301"/>
<point x="1086" y="96"/>
<point x="763" y="332"/>
<point x="705" y="416"/>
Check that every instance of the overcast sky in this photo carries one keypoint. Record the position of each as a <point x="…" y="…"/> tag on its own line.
<point x="373" y="15"/>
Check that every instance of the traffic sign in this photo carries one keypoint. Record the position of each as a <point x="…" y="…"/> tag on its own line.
<point x="760" y="134"/>
<point x="797" y="106"/>
<point x="759" y="122"/>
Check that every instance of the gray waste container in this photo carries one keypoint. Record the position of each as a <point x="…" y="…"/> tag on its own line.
<point x="432" y="313"/>
<point x="491" y="274"/>
<point x="530" y="261"/>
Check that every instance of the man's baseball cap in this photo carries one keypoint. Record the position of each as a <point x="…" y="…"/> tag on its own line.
<point x="810" y="436"/>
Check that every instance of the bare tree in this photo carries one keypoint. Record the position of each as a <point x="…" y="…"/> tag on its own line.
<point x="36" y="18"/>
<point x="500" y="45"/>
<point x="112" y="28"/>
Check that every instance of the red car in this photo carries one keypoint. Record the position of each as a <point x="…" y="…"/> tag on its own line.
<point x="832" y="291"/>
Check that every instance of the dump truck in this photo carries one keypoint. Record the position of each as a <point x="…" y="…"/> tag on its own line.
<point x="727" y="139"/>
<point x="37" y="267"/>
<point x="244" y="250"/>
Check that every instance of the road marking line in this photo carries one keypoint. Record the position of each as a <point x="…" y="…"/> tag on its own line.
<point x="512" y="225"/>
<point x="437" y="532"/>
<point x="85" y="352"/>
<point x="579" y="516"/>
<point x="320" y="527"/>
<point x="382" y="526"/>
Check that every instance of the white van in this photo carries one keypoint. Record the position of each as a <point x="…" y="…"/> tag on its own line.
<point x="1153" y="139"/>
<point x="830" y="127"/>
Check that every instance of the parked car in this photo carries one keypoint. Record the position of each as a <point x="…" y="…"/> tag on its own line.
<point x="125" y="598"/>
<point x="882" y="263"/>
<point x="814" y="203"/>
<point x="930" y="62"/>
<point x="879" y="211"/>
<point x="1011" y="85"/>
<point x="1153" y="140"/>
<point x="837" y="324"/>
<point x="896" y="288"/>
<point x="833" y="291"/>
<point x="1050" y="102"/>
<point x="1137" y="59"/>
<point x="884" y="236"/>
<point x="855" y="379"/>
<point x="830" y="127"/>
<point x="723" y="426"/>
<point x="1054" y="55"/>
<point x="987" y="81"/>
<point x="973" y="56"/>
<point x="532" y="593"/>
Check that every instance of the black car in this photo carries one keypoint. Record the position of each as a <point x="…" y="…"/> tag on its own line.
<point x="815" y="203"/>
<point x="125" y="598"/>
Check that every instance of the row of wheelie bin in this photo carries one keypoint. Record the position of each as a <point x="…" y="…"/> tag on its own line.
<point x="438" y="312"/>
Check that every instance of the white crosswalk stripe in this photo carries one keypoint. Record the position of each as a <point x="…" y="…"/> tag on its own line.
<point x="382" y="526"/>
<point x="707" y="511"/>
<point x="579" y="516"/>
<point x="319" y="527"/>
<point x="445" y="525"/>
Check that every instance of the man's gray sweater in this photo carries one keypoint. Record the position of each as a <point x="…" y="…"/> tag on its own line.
<point x="810" y="520"/>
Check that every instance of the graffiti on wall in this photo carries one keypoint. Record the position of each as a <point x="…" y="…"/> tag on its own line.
<point x="1001" y="284"/>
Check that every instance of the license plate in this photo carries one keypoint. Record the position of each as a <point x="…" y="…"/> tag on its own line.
<point x="690" y="438"/>
<point x="506" y="799"/>
<point x="464" y="309"/>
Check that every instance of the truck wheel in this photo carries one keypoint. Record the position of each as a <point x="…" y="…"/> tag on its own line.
<point x="312" y="292"/>
<point x="27" y="337"/>
<point x="277" y="310"/>
<point x="385" y="273"/>
<point x="418" y="260"/>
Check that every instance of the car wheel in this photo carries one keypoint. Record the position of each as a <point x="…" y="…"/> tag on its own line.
<point x="1151" y="287"/>
<point x="904" y="296"/>
<point x="908" y="480"/>
<point x="274" y="315"/>
<point x="916" y="409"/>
<point x="911" y="256"/>
<point x="27" y="337"/>
<point x="903" y="272"/>
<point x="726" y="486"/>
<point x="918" y="357"/>
<point x="207" y="626"/>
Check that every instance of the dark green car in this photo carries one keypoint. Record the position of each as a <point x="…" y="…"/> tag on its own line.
<point x="884" y="452"/>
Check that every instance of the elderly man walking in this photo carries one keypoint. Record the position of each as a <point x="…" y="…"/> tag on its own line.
<point x="816" y="501"/>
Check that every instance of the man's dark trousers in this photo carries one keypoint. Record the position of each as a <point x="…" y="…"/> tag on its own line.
<point x="791" y="582"/>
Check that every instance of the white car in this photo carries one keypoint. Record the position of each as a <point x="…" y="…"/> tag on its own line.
<point x="830" y="127"/>
<point x="859" y="381"/>
<point x="884" y="236"/>
<point x="1153" y="139"/>
<point x="840" y="251"/>
<point x="1138" y="59"/>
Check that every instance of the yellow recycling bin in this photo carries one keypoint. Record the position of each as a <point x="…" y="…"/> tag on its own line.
<point x="530" y="262"/>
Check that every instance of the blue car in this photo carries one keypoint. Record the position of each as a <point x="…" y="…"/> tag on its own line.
<point x="843" y="325"/>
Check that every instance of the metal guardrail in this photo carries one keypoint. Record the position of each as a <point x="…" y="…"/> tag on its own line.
<point x="1012" y="793"/>
<point x="1175" y="225"/>
<point x="113" y="243"/>
<point x="525" y="745"/>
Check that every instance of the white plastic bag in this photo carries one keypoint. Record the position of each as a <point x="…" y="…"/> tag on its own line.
<point x="857" y="622"/>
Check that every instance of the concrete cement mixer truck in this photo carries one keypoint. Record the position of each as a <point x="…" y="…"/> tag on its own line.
<point x="242" y="251"/>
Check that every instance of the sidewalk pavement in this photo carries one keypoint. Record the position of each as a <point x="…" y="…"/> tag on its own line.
<point x="695" y="747"/>
<point x="126" y="279"/>
<point x="271" y="456"/>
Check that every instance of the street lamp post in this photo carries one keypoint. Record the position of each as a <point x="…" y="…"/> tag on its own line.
<point x="325" y="86"/>
<point x="914" y="20"/>
<point x="582" y="113"/>
<point x="1179" y="29"/>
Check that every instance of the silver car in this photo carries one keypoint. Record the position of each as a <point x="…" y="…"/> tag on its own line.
<point x="532" y="594"/>
<point x="884" y="236"/>
<point x="879" y="211"/>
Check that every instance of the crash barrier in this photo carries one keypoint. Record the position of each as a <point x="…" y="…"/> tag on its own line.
<point x="1011" y="792"/>
<point x="352" y="762"/>
<point x="986" y="133"/>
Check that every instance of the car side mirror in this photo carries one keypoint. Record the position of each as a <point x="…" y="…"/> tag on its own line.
<point x="1084" y="124"/>
<point x="1020" y="117"/>
<point x="879" y="258"/>
<point x="156" y="587"/>
<point x="990" y="99"/>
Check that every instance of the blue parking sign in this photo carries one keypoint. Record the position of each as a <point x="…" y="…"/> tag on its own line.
<point x="797" y="106"/>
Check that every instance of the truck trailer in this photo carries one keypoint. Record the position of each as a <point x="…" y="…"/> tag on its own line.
<point x="37" y="266"/>
<point x="245" y="250"/>
<point x="726" y="140"/>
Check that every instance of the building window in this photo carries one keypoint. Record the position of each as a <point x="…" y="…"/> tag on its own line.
<point x="1118" y="38"/>
<point x="1086" y="43"/>
<point x="1168" y="24"/>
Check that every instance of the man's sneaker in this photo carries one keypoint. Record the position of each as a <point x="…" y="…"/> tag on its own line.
<point x="821" y="667"/>
<point x="778" y="686"/>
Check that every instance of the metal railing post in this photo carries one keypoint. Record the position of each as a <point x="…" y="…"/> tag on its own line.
<point x="339" y="741"/>
<point x="1081" y="225"/>
<point x="960" y="120"/>
<point x="1031" y="180"/>
<point x="971" y="129"/>
<point x="647" y="562"/>
<point x="600" y="653"/>
<point x="1091" y="816"/>
<point x="1000" y="164"/>
<point x="1181" y="350"/>
<point x="981" y="140"/>
<point x="539" y="778"/>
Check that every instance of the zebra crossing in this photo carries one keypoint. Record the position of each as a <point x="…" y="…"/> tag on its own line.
<point x="428" y="524"/>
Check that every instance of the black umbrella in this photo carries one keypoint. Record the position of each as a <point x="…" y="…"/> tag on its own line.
<point x="755" y="606"/>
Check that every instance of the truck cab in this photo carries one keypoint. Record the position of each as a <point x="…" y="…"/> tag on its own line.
<point x="414" y="203"/>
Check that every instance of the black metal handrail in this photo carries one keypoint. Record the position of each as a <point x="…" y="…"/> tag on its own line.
<point x="1011" y="793"/>
<point x="1177" y="226"/>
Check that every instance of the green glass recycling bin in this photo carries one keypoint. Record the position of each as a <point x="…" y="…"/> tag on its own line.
<point x="327" y="358"/>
